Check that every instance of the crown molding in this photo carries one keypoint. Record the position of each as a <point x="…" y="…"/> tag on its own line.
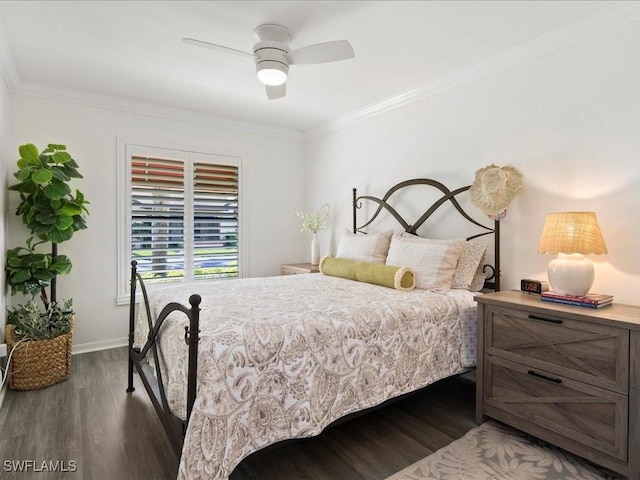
<point x="150" y="109"/>
<point x="599" y="22"/>
<point x="602" y="21"/>
<point x="8" y="67"/>
<point x="18" y="86"/>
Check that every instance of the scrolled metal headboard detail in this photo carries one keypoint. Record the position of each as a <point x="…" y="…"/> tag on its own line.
<point x="493" y="271"/>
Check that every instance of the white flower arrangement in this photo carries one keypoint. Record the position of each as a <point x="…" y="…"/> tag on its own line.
<point x="313" y="221"/>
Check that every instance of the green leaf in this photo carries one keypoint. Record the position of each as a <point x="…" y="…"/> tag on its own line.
<point x="56" y="190"/>
<point x="59" y="236"/>
<point x="71" y="170"/>
<point x="23" y="187"/>
<point x="44" y="275"/>
<point x="46" y="218"/>
<point x="61" y="266"/>
<point x="13" y="262"/>
<point x="24" y="175"/>
<point x="20" y="276"/>
<point x="37" y="260"/>
<point x="59" y="174"/>
<point x="42" y="176"/>
<point x="79" y="223"/>
<point x="29" y="152"/>
<point x="61" y="157"/>
<point x="54" y="146"/>
<point x="70" y="209"/>
<point x="63" y="222"/>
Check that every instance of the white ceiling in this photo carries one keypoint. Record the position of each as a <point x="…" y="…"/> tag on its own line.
<point x="117" y="50"/>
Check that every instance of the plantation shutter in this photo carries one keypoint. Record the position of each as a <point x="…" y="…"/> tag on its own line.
<point x="157" y="217"/>
<point x="184" y="218"/>
<point x="215" y="220"/>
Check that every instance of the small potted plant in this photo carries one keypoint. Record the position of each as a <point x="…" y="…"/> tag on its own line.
<point x="40" y="336"/>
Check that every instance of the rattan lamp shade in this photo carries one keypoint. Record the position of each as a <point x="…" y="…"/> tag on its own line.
<point x="571" y="235"/>
<point x="572" y="232"/>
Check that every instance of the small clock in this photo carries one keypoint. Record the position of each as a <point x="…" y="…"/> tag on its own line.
<point x="533" y="286"/>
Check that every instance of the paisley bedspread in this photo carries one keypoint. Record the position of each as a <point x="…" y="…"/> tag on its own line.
<point x="283" y="357"/>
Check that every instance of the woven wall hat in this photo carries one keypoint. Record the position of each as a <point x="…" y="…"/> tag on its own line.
<point x="494" y="188"/>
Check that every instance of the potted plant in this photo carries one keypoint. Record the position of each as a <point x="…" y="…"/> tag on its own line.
<point x="52" y="213"/>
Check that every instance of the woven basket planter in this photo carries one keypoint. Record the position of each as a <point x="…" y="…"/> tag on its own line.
<point x="38" y="364"/>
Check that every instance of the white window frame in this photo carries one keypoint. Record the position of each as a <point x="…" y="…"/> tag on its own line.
<point x="126" y="149"/>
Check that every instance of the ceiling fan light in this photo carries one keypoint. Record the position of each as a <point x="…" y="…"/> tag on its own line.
<point x="272" y="73"/>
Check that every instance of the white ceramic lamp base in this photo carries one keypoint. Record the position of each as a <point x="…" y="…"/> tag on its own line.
<point x="571" y="274"/>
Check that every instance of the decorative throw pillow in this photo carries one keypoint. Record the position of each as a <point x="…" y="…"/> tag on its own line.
<point x="433" y="261"/>
<point x="371" y="247"/>
<point x="468" y="264"/>
<point x="400" y="278"/>
<point x="480" y="276"/>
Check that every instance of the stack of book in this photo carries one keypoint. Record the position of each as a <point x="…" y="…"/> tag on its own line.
<point x="590" y="300"/>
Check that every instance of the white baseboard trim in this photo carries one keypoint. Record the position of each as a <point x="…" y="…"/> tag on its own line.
<point x="97" y="346"/>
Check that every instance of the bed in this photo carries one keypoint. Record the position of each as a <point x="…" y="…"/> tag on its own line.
<point x="255" y="361"/>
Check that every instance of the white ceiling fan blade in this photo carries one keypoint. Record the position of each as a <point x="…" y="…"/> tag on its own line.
<point x="321" y="53"/>
<point x="214" y="46"/>
<point x="276" y="91"/>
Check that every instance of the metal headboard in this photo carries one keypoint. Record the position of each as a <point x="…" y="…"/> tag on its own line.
<point x="493" y="271"/>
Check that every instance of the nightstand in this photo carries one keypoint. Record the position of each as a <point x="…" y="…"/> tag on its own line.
<point x="568" y="375"/>
<point x="297" y="268"/>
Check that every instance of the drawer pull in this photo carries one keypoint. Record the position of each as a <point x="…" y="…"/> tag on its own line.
<point x="552" y="320"/>
<point x="554" y="380"/>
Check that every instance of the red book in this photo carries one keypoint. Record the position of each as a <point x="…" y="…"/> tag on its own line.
<point x="590" y="298"/>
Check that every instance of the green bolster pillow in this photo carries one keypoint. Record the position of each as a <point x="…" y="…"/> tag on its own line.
<point x="400" y="278"/>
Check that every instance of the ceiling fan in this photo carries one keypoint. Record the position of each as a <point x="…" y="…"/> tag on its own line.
<point x="273" y="56"/>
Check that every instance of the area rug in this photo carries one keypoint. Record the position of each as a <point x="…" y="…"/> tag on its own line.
<point x="494" y="451"/>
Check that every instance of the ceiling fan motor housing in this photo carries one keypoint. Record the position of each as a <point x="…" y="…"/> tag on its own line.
<point x="270" y="58"/>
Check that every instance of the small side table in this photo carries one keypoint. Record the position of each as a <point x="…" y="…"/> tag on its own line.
<point x="298" y="268"/>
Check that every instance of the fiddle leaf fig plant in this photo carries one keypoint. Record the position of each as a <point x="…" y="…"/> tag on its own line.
<point x="52" y="213"/>
<point x="47" y="206"/>
<point x="28" y="272"/>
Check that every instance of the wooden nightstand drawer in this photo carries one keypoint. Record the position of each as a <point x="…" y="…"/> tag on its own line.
<point x="565" y="374"/>
<point x="592" y="416"/>
<point x="592" y="353"/>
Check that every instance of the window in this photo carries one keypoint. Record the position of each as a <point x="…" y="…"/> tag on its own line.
<point x="182" y="216"/>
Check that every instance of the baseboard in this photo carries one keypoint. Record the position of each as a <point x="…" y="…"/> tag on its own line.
<point x="97" y="346"/>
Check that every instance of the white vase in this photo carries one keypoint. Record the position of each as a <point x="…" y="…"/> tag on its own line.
<point x="315" y="250"/>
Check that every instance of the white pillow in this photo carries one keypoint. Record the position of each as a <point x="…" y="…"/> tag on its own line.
<point x="433" y="261"/>
<point x="371" y="247"/>
<point x="470" y="260"/>
<point x="469" y="267"/>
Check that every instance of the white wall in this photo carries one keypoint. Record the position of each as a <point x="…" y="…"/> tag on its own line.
<point x="272" y="169"/>
<point x="569" y="120"/>
<point x="4" y="180"/>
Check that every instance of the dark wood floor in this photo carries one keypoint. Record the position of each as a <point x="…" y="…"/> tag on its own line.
<point x="108" y="434"/>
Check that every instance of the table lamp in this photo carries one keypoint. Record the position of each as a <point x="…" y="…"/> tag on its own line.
<point x="571" y="235"/>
